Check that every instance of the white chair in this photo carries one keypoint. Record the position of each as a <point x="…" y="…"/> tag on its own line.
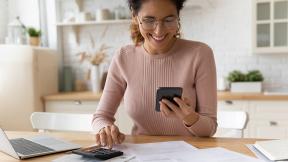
<point x="231" y="123"/>
<point x="45" y="121"/>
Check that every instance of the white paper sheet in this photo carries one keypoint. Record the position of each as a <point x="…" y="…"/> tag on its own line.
<point x="259" y="154"/>
<point x="202" y="155"/>
<point x="174" y="151"/>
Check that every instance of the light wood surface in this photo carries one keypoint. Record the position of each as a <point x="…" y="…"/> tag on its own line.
<point x="250" y="96"/>
<point x="90" y="96"/>
<point x="73" y="96"/>
<point x="85" y="139"/>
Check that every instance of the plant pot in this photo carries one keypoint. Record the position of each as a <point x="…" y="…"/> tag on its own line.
<point x="34" y="41"/>
<point x="246" y="87"/>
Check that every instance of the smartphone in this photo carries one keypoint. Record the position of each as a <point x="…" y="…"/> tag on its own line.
<point x="168" y="93"/>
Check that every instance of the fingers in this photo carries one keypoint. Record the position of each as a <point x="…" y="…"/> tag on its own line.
<point x="187" y="101"/>
<point x="115" y="133"/>
<point x="108" y="136"/>
<point x="109" y="139"/>
<point x="97" y="139"/>
<point x="103" y="137"/>
<point x="164" y="109"/>
<point x="180" y="102"/>
<point x="121" y="138"/>
<point x="170" y="105"/>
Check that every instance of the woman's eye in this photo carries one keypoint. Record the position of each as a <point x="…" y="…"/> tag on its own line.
<point x="148" y="20"/>
<point x="169" y="20"/>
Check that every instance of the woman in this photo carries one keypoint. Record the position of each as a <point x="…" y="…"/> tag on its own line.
<point x="158" y="59"/>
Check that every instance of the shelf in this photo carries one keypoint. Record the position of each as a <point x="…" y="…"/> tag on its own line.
<point x="124" y="21"/>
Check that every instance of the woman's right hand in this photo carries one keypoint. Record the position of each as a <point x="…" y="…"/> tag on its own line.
<point x="108" y="136"/>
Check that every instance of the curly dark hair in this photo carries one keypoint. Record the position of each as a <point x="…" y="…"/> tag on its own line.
<point x="135" y="6"/>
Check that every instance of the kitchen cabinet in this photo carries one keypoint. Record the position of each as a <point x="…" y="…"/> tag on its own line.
<point x="266" y="119"/>
<point x="266" y="113"/>
<point x="80" y="106"/>
<point x="270" y="26"/>
<point x="26" y="74"/>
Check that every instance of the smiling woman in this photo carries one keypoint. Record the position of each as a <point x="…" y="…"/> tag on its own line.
<point x="158" y="58"/>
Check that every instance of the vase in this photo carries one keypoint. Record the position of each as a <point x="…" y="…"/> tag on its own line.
<point x="34" y="41"/>
<point x="95" y="79"/>
<point x="252" y="87"/>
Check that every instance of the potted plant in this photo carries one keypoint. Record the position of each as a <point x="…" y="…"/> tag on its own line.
<point x="249" y="82"/>
<point x="34" y="36"/>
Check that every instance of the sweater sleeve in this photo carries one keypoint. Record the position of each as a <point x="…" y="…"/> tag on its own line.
<point x="113" y="92"/>
<point x="206" y="93"/>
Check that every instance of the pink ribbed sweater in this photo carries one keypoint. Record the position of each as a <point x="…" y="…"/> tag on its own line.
<point x="135" y="75"/>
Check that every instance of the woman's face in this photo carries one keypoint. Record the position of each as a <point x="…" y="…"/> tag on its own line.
<point x="158" y="24"/>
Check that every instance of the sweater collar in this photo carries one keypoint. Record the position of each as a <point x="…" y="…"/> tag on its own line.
<point x="160" y="55"/>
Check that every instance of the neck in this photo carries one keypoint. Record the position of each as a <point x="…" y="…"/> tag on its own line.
<point x="159" y="51"/>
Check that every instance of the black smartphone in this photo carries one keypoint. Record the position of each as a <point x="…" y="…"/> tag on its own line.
<point x="168" y="93"/>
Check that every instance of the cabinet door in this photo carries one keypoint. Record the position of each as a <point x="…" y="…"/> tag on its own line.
<point x="77" y="106"/>
<point x="280" y="23"/>
<point x="263" y="24"/>
<point x="269" y="110"/>
<point x="232" y="105"/>
<point x="268" y="119"/>
<point x="270" y="21"/>
<point x="268" y="129"/>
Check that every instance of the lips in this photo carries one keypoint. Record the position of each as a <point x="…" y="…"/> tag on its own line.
<point x="157" y="38"/>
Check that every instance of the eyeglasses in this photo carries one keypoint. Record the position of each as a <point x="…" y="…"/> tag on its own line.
<point x="151" y="23"/>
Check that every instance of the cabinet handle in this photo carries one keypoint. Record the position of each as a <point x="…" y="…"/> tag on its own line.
<point x="273" y="123"/>
<point x="78" y="102"/>
<point x="229" y="102"/>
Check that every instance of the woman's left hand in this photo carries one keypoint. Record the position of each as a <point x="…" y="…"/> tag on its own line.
<point x="184" y="112"/>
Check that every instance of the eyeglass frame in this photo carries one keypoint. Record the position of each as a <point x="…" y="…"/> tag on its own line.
<point x="156" y="23"/>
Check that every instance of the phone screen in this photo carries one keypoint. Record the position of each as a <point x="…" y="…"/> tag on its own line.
<point x="168" y="93"/>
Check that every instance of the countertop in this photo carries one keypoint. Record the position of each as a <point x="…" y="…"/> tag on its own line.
<point x="221" y="95"/>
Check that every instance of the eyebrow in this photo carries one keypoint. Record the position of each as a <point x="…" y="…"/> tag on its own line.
<point x="152" y="17"/>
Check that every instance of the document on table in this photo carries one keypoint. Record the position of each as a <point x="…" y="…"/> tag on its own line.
<point x="173" y="151"/>
<point x="260" y="155"/>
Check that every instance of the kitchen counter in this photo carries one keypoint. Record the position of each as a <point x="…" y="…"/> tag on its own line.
<point x="90" y="96"/>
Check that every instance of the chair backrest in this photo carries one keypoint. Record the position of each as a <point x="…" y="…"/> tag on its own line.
<point x="234" y="121"/>
<point x="44" y="121"/>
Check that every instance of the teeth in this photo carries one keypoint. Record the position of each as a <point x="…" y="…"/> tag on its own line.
<point x="158" y="38"/>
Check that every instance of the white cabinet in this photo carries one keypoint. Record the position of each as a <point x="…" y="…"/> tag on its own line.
<point x="266" y="119"/>
<point x="123" y="121"/>
<point x="270" y="26"/>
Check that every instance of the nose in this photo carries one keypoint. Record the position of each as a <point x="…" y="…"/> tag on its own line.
<point x="159" y="28"/>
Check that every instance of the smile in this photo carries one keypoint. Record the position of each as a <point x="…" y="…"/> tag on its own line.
<point x="157" y="38"/>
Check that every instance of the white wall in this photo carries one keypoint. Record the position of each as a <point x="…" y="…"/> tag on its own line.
<point x="28" y="10"/>
<point x="226" y="26"/>
<point x="3" y="20"/>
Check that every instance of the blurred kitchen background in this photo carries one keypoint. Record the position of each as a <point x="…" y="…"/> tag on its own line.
<point x="79" y="37"/>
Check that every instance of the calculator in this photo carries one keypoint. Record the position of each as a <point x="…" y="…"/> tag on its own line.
<point x="98" y="152"/>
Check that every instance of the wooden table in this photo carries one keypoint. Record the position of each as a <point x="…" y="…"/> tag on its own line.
<point x="221" y="95"/>
<point x="86" y="139"/>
